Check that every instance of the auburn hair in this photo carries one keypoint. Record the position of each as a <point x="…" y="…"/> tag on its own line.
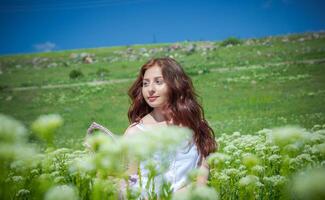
<point x="182" y="107"/>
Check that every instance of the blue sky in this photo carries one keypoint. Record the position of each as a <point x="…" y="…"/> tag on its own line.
<point x="43" y="25"/>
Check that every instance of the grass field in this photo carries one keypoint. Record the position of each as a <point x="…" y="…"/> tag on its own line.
<point x="260" y="83"/>
<point x="246" y="87"/>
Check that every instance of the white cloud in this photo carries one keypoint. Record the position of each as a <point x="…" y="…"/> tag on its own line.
<point x="45" y="47"/>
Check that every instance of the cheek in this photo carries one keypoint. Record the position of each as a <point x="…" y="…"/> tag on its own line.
<point x="164" y="91"/>
<point x="144" y="93"/>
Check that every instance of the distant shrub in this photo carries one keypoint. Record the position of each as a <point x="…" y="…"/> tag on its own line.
<point x="3" y="87"/>
<point x="26" y="84"/>
<point x="75" y="73"/>
<point x="197" y="70"/>
<point x="231" y="41"/>
<point x="66" y="64"/>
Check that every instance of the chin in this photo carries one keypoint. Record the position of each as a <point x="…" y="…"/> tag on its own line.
<point x="154" y="105"/>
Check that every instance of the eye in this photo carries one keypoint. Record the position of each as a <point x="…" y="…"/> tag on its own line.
<point x="144" y="84"/>
<point x="159" y="82"/>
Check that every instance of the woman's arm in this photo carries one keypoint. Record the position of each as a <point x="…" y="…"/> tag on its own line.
<point x="204" y="171"/>
<point x="202" y="177"/>
<point x="97" y="126"/>
<point x="132" y="166"/>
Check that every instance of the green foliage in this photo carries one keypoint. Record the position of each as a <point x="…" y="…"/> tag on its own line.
<point x="75" y="73"/>
<point x="308" y="184"/>
<point x="197" y="70"/>
<point x="46" y="125"/>
<point x="231" y="41"/>
<point x="3" y="87"/>
<point x="265" y="82"/>
<point x="243" y="89"/>
<point x="262" y="165"/>
<point x="95" y="174"/>
<point x="245" y="167"/>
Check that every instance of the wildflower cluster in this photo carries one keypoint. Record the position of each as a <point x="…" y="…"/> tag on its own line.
<point x="261" y="166"/>
<point x="281" y="163"/>
<point x="94" y="173"/>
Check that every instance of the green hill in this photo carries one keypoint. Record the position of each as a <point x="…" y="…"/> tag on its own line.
<point x="244" y="85"/>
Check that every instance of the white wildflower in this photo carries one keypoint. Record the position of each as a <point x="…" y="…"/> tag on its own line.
<point x="218" y="159"/>
<point x="62" y="192"/>
<point x="287" y="135"/>
<point x="23" y="194"/>
<point x="197" y="193"/>
<point x="46" y="125"/>
<point x="258" y="169"/>
<point x="275" y="158"/>
<point x="17" y="179"/>
<point x="276" y="180"/>
<point x="249" y="180"/>
<point x="250" y="160"/>
<point x="11" y="131"/>
<point x="309" y="185"/>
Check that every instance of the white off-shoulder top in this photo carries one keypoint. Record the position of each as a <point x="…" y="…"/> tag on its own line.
<point x="185" y="159"/>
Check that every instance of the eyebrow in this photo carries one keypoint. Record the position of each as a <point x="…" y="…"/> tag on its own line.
<point x="146" y="79"/>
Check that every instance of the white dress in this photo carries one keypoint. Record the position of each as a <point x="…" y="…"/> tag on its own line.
<point x="181" y="163"/>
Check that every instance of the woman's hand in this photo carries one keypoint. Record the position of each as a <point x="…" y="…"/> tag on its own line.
<point x="183" y="189"/>
<point x="93" y="127"/>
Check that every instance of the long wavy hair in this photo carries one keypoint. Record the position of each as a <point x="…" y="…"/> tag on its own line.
<point x="182" y="107"/>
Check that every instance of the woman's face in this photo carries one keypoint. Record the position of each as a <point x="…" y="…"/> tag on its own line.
<point x="154" y="88"/>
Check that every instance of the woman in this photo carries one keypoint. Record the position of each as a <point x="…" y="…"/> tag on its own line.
<point x="163" y="95"/>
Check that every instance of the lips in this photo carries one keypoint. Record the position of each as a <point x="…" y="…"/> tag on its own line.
<point x="152" y="98"/>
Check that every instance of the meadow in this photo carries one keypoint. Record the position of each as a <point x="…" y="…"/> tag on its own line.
<point x="247" y="88"/>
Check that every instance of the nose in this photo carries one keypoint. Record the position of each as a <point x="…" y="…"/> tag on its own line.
<point x="151" y="89"/>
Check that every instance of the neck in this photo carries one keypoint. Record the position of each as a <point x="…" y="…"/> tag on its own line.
<point x="157" y="114"/>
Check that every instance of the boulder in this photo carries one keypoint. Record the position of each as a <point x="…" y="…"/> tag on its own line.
<point x="73" y="55"/>
<point x="52" y="65"/>
<point x="87" y="59"/>
<point x="285" y="39"/>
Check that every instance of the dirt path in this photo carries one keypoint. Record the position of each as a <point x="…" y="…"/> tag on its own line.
<point x="91" y="83"/>
<point x="222" y="69"/>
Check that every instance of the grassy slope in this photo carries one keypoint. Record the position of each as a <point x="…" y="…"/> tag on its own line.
<point x="236" y="100"/>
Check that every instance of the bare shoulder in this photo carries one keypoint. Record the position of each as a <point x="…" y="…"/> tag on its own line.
<point x="147" y="118"/>
<point x="131" y="130"/>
